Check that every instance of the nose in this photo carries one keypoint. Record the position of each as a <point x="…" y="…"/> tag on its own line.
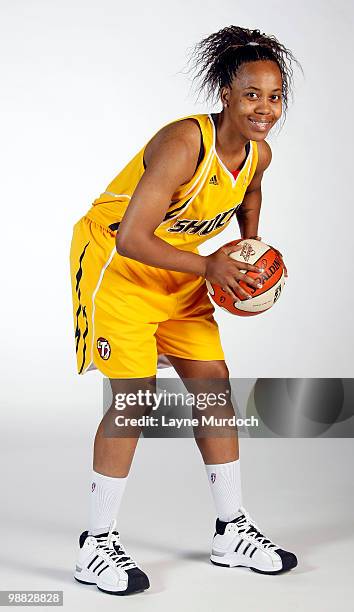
<point x="263" y="106"/>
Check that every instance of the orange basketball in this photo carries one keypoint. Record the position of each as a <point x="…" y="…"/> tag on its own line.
<point x="258" y="254"/>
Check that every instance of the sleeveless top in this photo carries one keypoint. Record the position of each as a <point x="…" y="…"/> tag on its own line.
<point x="199" y="209"/>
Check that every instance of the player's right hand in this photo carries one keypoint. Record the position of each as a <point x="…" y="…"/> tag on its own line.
<point x="227" y="272"/>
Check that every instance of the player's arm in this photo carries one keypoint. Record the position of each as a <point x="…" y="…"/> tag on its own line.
<point x="171" y="158"/>
<point x="249" y="211"/>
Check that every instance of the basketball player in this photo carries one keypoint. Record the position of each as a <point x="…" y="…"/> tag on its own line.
<point x="139" y="287"/>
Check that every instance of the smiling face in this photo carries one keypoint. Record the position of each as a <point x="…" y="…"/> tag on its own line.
<point x="254" y="100"/>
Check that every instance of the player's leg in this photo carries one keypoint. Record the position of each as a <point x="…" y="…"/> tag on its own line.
<point x="222" y="448"/>
<point x="218" y="445"/>
<point x="114" y="445"/>
<point x="114" y="448"/>
<point x="102" y="559"/>
<point x="237" y="540"/>
<point x="108" y="331"/>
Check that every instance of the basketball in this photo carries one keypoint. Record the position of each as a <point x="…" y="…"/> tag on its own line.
<point x="259" y="254"/>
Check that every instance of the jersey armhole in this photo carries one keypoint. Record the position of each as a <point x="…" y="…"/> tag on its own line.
<point x="201" y="149"/>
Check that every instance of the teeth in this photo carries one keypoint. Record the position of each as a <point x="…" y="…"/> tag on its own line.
<point x="260" y="122"/>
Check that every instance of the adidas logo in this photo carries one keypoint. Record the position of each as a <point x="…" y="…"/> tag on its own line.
<point x="213" y="180"/>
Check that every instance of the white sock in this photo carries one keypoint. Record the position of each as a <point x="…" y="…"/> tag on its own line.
<point x="225" y="484"/>
<point x="105" y="497"/>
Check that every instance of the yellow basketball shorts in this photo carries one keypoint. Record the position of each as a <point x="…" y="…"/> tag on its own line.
<point x="127" y="313"/>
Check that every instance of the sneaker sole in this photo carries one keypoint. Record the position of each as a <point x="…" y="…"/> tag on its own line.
<point x="84" y="581"/>
<point x="127" y="592"/>
<point x="254" y="569"/>
<point x="143" y="586"/>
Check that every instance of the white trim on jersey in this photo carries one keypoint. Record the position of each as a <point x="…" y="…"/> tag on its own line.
<point x="118" y="195"/>
<point x="247" y="162"/>
<point x="94" y="306"/>
<point x="202" y="180"/>
<point x="201" y="174"/>
<point x="205" y="170"/>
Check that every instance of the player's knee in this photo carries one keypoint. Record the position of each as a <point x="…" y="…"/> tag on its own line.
<point x="220" y="370"/>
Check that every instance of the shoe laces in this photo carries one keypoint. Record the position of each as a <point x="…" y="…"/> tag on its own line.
<point x="245" y="524"/>
<point x="111" y="545"/>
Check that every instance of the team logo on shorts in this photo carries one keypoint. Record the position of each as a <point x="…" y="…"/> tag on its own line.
<point x="213" y="477"/>
<point x="103" y="348"/>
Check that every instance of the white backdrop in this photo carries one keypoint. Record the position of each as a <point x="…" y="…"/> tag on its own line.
<point x="84" y="85"/>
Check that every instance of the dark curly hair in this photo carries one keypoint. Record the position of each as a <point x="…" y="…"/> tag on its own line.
<point x="217" y="58"/>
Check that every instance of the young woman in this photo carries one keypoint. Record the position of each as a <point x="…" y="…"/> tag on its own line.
<point x="139" y="287"/>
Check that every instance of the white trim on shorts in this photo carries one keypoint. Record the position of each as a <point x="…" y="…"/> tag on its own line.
<point x="94" y="306"/>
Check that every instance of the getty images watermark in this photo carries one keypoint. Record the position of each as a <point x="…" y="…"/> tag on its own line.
<point x="157" y="400"/>
<point x="256" y="407"/>
<point x="174" y="409"/>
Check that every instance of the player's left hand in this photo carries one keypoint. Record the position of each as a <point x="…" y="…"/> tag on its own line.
<point x="280" y="255"/>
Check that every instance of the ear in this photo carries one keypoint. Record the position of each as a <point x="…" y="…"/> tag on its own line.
<point x="225" y="96"/>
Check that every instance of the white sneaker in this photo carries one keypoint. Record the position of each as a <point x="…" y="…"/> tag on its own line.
<point x="103" y="561"/>
<point x="240" y="542"/>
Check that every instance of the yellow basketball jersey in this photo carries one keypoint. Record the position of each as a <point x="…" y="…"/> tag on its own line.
<point x="199" y="209"/>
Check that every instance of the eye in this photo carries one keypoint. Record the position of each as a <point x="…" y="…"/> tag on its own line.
<point x="275" y="98"/>
<point x="250" y="95"/>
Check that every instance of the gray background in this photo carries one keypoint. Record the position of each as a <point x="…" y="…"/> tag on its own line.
<point x="299" y="492"/>
<point x="84" y="85"/>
